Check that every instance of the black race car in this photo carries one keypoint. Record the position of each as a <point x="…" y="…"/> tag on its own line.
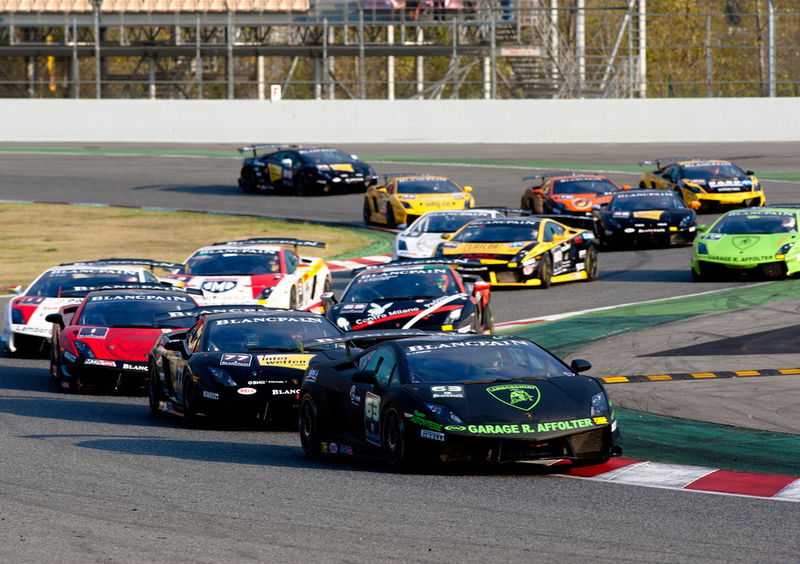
<point x="248" y="363"/>
<point x="420" y="294"/>
<point x="478" y="398"/>
<point x="646" y="217"/>
<point x="304" y="171"/>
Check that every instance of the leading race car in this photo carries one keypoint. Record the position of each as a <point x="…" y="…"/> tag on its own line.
<point x="260" y="271"/>
<point x="246" y="364"/>
<point x="751" y="242"/>
<point x="420" y="239"/>
<point x="646" y="217"/>
<point x="525" y="251"/>
<point x="713" y="183"/>
<point x="398" y="199"/>
<point x="103" y="342"/>
<point x="568" y="193"/>
<point x="421" y="294"/>
<point x="475" y="398"/>
<point x="305" y="171"/>
<point x="25" y="328"/>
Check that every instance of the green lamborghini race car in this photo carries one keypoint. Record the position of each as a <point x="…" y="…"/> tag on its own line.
<point x="752" y="241"/>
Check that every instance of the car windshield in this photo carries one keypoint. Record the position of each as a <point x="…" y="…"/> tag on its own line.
<point x="324" y="156"/>
<point x="649" y="202"/>
<point x="53" y="284"/>
<point x="446" y="223"/>
<point x="427" y="186"/>
<point x="707" y="171"/>
<point x="413" y="283"/>
<point x="457" y="361"/>
<point x="585" y="186"/>
<point x="130" y="310"/>
<point x="264" y="332"/>
<point x="498" y="233"/>
<point x="758" y="223"/>
<point x="233" y="263"/>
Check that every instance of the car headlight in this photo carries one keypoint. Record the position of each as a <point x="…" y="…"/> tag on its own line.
<point x="16" y="316"/>
<point x="444" y="413"/>
<point x="84" y="350"/>
<point x="265" y="293"/>
<point x="599" y="406"/>
<point x="690" y="187"/>
<point x="222" y="376"/>
<point x="702" y="249"/>
<point x="783" y="250"/>
<point x="406" y="204"/>
<point x="454" y="315"/>
<point x="686" y="221"/>
<point x="343" y="323"/>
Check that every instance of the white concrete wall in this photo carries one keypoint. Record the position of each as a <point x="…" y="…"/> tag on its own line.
<point x="436" y="121"/>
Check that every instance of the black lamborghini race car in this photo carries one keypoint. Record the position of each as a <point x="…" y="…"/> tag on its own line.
<point x="304" y="171"/>
<point x="420" y="294"/>
<point x="478" y="398"/>
<point x="246" y="363"/>
<point x="646" y="217"/>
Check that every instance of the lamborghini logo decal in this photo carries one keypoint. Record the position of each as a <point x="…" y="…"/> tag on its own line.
<point x="521" y="396"/>
<point x="744" y="242"/>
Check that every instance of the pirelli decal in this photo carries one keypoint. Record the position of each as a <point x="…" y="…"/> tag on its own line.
<point x="700" y="375"/>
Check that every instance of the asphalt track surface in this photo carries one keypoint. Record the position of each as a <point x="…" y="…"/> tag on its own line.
<point x="95" y="478"/>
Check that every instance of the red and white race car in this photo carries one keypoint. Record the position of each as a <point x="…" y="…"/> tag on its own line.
<point x="25" y="328"/>
<point x="260" y="270"/>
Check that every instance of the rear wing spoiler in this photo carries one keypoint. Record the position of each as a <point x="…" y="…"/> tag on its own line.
<point x="549" y="174"/>
<point x="456" y="262"/>
<point x="275" y="241"/>
<point x="127" y="262"/>
<point x="255" y="148"/>
<point x="79" y="291"/>
<point x="668" y="160"/>
<point x="163" y="319"/>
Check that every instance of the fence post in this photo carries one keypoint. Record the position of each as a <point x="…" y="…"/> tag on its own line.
<point x="771" y="49"/>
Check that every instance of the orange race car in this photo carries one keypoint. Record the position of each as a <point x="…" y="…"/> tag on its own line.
<point x="568" y="193"/>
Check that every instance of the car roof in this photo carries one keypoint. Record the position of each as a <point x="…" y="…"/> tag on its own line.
<point x="634" y="193"/>
<point x="269" y="313"/>
<point x="702" y="162"/>
<point x="97" y="268"/>
<point x="454" y="338"/>
<point x="233" y="248"/>
<point x="402" y="268"/>
<point x="137" y="291"/>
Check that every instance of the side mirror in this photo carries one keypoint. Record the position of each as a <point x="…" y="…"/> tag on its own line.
<point x="372" y="182"/>
<point x="749" y="172"/>
<point x="482" y="286"/>
<point x="365" y="377"/>
<point x="447" y="236"/>
<point x="666" y="176"/>
<point x="328" y="298"/>
<point x="287" y="163"/>
<point x="538" y="192"/>
<point x="580" y="365"/>
<point x="695" y="205"/>
<point x="177" y="345"/>
<point x="354" y="157"/>
<point x="16" y="289"/>
<point x="626" y="187"/>
<point x="56" y="318"/>
<point x="702" y="228"/>
<point x="467" y="188"/>
<point x="402" y="226"/>
<point x="382" y="190"/>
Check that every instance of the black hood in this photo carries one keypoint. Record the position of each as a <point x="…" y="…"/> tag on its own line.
<point x="396" y="314"/>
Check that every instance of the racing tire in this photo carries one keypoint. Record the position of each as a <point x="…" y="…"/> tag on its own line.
<point x="642" y="185"/>
<point x="55" y="371"/>
<point x="293" y="298"/>
<point x="544" y="271"/>
<point x="488" y="321"/>
<point x="247" y="181"/>
<point x="395" y="443"/>
<point x="153" y="393"/>
<point x="327" y="286"/>
<point x="367" y="213"/>
<point x="590" y="264"/>
<point x="525" y="204"/>
<point x="308" y="426"/>
<point x="189" y="403"/>
<point x="699" y="276"/>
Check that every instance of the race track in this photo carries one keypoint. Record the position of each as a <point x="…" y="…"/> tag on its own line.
<point x="95" y="478"/>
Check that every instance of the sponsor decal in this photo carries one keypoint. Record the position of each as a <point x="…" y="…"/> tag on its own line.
<point x="31" y="300"/>
<point x="311" y="376"/>
<point x="137" y="367"/>
<point x="98" y="362"/>
<point x="140" y="297"/>
<point x="272" y="319"/>
<point x="447" y="391"/>
<point x="455" y="428"/>
<point x="210" y="395"/>
<point x="421" y="349"/>
<point x="297" y="361"/>
<point x="419" y="418"/>
<point x="520" y="396"/>
<point x="526" y="428"/>
<point x="376" y="310"/>
<point x="246" y="391"/>
<point x="285" y="392"/>
<point x="92" y="332"/>
<point x="354" y="398"/>
<point x="235" y="359"/>
<point x="353" y="307"/>
<point x="433" y="435"/>
<point x="724" y="258"/>
<point x="218" y="286"/>
<point x="649" y="214"/>
<point x="744" y="242"/>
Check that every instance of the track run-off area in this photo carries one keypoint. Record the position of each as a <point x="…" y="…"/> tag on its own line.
<point x="96" y="478"/>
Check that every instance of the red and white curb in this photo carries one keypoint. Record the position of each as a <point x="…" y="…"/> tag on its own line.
<point x="692" y="478"/>
<point x="351" y="264"/>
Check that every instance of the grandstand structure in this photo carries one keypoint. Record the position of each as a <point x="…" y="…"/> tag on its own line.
<point x="313" y="49"/>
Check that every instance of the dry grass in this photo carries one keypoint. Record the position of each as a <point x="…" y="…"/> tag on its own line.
<point x="38" y="236"/>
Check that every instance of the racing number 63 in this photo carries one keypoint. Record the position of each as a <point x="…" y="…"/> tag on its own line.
<point x="372" y="418"/>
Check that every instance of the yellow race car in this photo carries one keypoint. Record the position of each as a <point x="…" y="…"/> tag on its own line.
<point x="525" y="251"/>
<point x="712" y="183"/>
<point x="398" y="199"/>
